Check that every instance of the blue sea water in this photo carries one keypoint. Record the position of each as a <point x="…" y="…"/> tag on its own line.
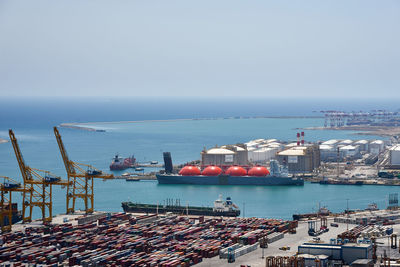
<point x="32" y="121"/>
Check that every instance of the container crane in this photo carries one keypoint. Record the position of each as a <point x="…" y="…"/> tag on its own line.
<point x="35" y="181"/>
<point x="6" y="208"/>
<point x="81" y="177"/>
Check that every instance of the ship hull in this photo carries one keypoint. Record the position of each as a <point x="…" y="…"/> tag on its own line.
<point x="199" y="211"/>
<point x="227" y="180"/>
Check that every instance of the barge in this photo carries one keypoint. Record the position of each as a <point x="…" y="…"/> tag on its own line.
<point x="221" y="208"/>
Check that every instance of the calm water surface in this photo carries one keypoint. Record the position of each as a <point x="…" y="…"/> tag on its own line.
<point x="32" y="124"/>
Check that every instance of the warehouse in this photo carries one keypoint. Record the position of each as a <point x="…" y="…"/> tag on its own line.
<point x="300" y="159"/>
<point x="349" y="252"/>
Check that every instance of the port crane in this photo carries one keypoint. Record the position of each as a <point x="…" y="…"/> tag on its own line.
<point x="39" y="185"/>
<point x="81" y="177"/>
<point x="6" y="208"/>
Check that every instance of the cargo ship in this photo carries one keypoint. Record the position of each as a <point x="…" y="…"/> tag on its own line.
<point x="233" y="175"/>
<point x="119" y="164"/>
<point x="221" y="208"/>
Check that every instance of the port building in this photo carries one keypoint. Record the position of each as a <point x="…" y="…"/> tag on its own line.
<point x="300" y="159"/>
<point x="225" y="155"/>
<point x="348" y="253"/>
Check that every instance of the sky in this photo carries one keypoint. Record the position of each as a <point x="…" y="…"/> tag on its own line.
<point x="207" y="48"/>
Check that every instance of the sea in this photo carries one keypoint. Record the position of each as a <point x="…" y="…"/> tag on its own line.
<point x="146" y="127"/>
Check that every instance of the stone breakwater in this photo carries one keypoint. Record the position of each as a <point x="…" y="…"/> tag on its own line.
<point x="77" y="127"/>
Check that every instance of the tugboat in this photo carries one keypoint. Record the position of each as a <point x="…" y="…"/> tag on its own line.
<point x="322" y="211"/>
<point x="221" y="208"/>
<point x="119" y="164"/>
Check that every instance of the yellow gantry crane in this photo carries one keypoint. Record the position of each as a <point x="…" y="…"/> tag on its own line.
<point x="36" y="182"/>
<point x="6" y="208"/>
<point x="81" y="178"/>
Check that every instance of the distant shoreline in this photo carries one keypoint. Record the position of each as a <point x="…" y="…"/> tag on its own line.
<point x="72" y="124"/>
<point x="384" y="131"/>
<point x="2" y="141"/>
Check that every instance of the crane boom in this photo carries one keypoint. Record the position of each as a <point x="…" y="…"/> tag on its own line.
<point x="26" y="174"/>
<point x="36" y="183"/>
<point x="68" y="165"/>
<point x="80" y="178"/>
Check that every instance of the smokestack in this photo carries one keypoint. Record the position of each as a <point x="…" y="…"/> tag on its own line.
<point x="298" y="139"/>
<point x="302" y="138"/>
<point x="167" y="162"/>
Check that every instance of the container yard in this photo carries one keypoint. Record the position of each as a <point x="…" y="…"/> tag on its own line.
<point x="125" y="240"/>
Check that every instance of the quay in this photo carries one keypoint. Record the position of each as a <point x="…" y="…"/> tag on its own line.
<point x="126" y="239"/>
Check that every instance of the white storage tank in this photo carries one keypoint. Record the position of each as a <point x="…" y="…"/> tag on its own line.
<point x="363" y="144"/>
<point x="376" y="147"/>
<point x="351" y="151"/>
<point x="328" y="153"/>
<point x="332" y="142"/>
<point x="346" y="142"/>
<point x="395" y="155"/>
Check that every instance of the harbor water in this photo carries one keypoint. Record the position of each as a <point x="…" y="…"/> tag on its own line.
<point x="32" y="124"/>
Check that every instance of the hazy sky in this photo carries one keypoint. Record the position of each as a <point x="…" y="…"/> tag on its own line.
<point x="200" y="48"/>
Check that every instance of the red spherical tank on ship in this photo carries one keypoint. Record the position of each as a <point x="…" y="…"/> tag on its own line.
<point x="258" y="171"/>
<point x="236" y="171"/>
<point x="212" y="171"/>
<point x="190" y="171"/>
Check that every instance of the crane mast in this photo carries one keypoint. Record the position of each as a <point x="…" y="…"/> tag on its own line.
<point x="6" y="209"/>
<point x="81" y="179"/>
<point x="38" y="184"/>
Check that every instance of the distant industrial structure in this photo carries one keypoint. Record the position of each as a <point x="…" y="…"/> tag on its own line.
<point x="225" y="155"/>
<point x="300" y="159"/>
<point x="334" y="150"/>
<point x="395" y="156"/>
<point x="334" y="118"/>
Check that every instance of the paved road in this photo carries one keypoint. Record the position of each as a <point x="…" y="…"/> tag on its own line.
<point x="254" y="259"/>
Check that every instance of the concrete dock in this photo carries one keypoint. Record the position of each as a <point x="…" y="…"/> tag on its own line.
<point x="254" y="259"/>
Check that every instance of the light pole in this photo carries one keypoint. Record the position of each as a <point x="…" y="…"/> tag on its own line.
<point x="347" y="211"/>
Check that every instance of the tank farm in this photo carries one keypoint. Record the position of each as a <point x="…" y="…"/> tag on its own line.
<point x="125" y="240"/>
